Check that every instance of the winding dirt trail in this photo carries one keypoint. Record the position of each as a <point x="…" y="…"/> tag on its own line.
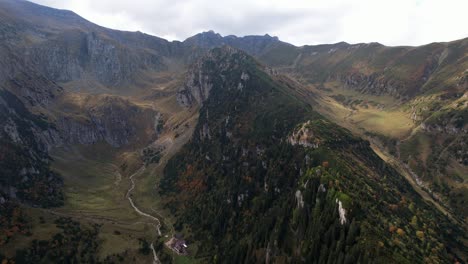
<point x="171" y="145"/>
<point x="158" y="223"/>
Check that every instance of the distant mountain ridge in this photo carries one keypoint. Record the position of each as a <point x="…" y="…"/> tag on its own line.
<point x="237" y="135"/>
<point x="133" y="53"/>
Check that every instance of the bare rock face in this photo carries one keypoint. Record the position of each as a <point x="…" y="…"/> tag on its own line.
<point x="341" y="212"/>
<point x="196" y="88"/>
<point x="24" y="158"/>
<point x="23" y="128"/>
<point x="451" y="121"/>
<point x="28" y="102"/>
<point x="448" y="129"/>
<point x="254" y="45"/>
<point x="299" y="199"/>
<point x="107" y="118"/>
<point x="373" y="84"/>
<point x="35" y="90"/>
<point x="113" y="129"/>
<point x="304" y="136"/>
<point x="11" y="130"/>
<point x="210" y="70"/>
<point x="112" y="119"/>
<point x="74" y="55"/>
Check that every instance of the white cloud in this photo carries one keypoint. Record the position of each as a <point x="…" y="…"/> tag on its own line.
<point x="392" y="22"/>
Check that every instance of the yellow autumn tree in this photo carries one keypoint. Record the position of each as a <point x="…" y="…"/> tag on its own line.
<point x="400" y="232"/>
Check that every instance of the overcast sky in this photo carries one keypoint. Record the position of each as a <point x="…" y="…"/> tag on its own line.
<point x="391" y="22"/>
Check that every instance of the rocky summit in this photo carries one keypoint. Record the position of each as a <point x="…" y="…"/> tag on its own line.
<point x="122" y="147"/>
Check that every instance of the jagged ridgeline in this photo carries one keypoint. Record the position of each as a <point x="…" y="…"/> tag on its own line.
<point x="266" y="179"/>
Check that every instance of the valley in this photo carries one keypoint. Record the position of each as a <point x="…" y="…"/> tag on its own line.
<point x="244" y="149"/>
<point x="379" y="120"/>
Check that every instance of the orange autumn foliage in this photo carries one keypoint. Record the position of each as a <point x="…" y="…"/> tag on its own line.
<point x="400" y="232"/>
<point x="247" y="178"/>
<point x="194" y="185"/>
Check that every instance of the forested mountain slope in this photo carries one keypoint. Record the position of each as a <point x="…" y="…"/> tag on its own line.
<point x="265" y="178"/>
<point x="236" y="143"/>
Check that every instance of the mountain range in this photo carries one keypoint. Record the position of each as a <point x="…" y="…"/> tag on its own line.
<point x="125" y="147"/>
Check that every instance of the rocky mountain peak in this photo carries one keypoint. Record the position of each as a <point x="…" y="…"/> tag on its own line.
<point x="208" y="39"/>
<point x="252" y="44"/>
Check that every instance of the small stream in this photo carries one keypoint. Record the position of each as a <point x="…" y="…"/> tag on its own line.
<point x="158" y="223"/>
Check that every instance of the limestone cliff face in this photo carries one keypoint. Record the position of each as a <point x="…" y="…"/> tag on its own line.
<point x="23" y="79"/>
<point x="447" y="121"/>
<point x="74" y="54"/>
<point x="446" y="128"/>
<point x="373" y="84"/>
<point x="209" y="71"/>
<point x="64" y="47"/>
<point x="113" y="120"/>
<point x="303" y="135"/>
<point x="32" y="104"/>
<point x="196" y="87"/>
<point x="24" y="100"/>
<point x="107" y="118"/>
<point x="33" y="89"/>
<point x="385" y="83"/>
<point x="24" y="161"/>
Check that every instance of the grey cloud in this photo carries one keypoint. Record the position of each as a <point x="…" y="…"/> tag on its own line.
<point x="296" y="21"/>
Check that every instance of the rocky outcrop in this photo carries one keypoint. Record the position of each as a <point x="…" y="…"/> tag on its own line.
<point x="254" y="45"/>
<point x="386" y="82"/>
<point x="24" y="161"/>
<point x="111" y="119"/>
<point x="74" y="55"/>
<point x="299" y="199"/>
<point x="449" y="121"/>
<point x="33" y="89"/>
<point x="197" y="87"/>
<point x="341" y="212"/>
<point x="94" y="130"/>
<point x="373" y="84"/>
<point x="213" y="69"/>
<point x="304" y="136"/>
<point x="449" y="129"/>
